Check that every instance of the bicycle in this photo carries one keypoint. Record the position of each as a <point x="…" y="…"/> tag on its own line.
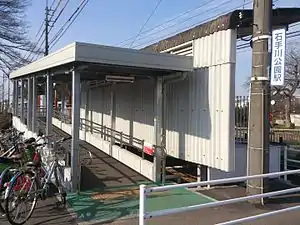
<point x="31" y="184"/>
<point x="10" y="166"/>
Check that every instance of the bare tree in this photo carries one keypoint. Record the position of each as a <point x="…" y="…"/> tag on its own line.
<point x="291" y="82"/>
<point x="14" y="42"/>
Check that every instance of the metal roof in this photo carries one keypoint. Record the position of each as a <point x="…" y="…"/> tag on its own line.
<point x="232" y="20"/>
<point x="108" y="58"/>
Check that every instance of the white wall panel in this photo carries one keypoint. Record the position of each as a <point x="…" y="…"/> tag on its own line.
<point x="134" y="109"/>
<point x="100" y="105"/>
<point x="143" y="110"/>
<point x="199" y="122"/>
<point x="123" y="108"/>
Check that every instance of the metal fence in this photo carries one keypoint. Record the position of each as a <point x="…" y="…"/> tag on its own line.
<point x="290" y="136"/>
<point x="144" y="191"/>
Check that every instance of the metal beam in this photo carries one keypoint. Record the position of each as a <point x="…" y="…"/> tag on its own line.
<point x="49" y="105"/>
<point x="90" y="114"/>
<point x="29" y="103"/>
<point x="76" y="96"/>
<point x="34" y="104"/>
<point x="158" y="104"/>
<point x="15" y="97"/>
<point x="22" y="101"/>
<point x="112" y="117"/>
<point x="18" y="92"/>
<point x="87" y="109"/>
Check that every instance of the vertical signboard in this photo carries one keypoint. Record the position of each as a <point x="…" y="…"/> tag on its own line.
<point x="278" y="57"/>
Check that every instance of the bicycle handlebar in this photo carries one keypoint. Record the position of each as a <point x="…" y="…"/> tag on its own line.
<point x="64" y="139"/>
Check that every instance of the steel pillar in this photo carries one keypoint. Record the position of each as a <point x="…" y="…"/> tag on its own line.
<point x="49" y="105"/>
<point x="22" y="101"/>
<point x="18" y="92"/>
<point x="90" y="113"/>
<point x="34" y="105"/>
<point x="158" y="104"/>
<point x="76" y="96"/>
<point x="63" y="101"/>
<point x="15" y="97"/>
<point x="29" y="103"/>
<point x="112" y="117"/>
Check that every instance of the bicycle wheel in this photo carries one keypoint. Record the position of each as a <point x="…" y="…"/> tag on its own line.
<point x="5" y="177"/>
<point x="62" y="195"/>
<point x="22" y="188"/>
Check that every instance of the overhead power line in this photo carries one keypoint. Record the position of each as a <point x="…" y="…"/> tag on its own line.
<point x="38" y="47"/>
<point x="289" y="35"/>
<point x="69" y="22"/>
<point x="193" y="25"/>
<point x="153" y="31"/>
<point x="215" y="8"/>
<point x="59" y="14"/>
<point x="170" y="20"/>
<point x="149" y="17"/>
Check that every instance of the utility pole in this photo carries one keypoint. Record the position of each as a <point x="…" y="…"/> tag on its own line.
<point x="258" y="143"/>
<point x="46" y="29"/>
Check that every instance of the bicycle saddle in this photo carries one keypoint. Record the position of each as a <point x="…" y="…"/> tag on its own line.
<point x="30" y="140"/>
<point x="33" y="164"/>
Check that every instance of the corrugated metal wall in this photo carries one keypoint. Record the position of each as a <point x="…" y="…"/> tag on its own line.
<point x="199" y="122"/>
<point x="134" y="109"/>
<point x="100" y="105"/>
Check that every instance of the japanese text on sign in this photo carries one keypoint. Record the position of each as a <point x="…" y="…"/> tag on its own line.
<point x="278" y="57"/>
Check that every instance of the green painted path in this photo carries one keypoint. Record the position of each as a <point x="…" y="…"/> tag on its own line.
<point x="120" y="203"/>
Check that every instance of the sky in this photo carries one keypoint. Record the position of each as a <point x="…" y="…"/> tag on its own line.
<point x="115" y="21"/>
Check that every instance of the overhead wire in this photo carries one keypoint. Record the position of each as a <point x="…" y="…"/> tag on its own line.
<point x="195" y="24"/>
<point x="27" y="58"/>
<point x="74" y="16"/>
<point x="149" y="17"/>
<point x="243" y="5"/>
<point x="54" y="21"/>
<point x="289" y="35"/>
<point x="170" y="20"/>
<point x="59" y="14"/>
<point x="214" y="8"/>
<point x="43" y="23"/>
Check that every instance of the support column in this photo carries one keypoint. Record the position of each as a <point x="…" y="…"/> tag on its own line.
<point x="15" y="98"/>
<point x="90" y="116"/>
<point x="63" y="100"/>
<point x="22" y="101"/>
<point x="158" y="102"/>
<point x="29" y="103"/>
<point x="112" y="117"/>
<point x="86" y="109"/>
<point x="18" y="92"/>
<point x="34" y="105"/>
<point x="49" y="105"/>
<point x="75" y="170"/>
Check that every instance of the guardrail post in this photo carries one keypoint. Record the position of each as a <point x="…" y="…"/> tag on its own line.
<point x="142" y="205"/>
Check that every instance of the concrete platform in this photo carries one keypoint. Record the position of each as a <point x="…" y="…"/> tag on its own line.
<point x="212" y="216"/>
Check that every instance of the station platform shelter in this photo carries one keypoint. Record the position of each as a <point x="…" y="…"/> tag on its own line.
<point x="174" y="98"/>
